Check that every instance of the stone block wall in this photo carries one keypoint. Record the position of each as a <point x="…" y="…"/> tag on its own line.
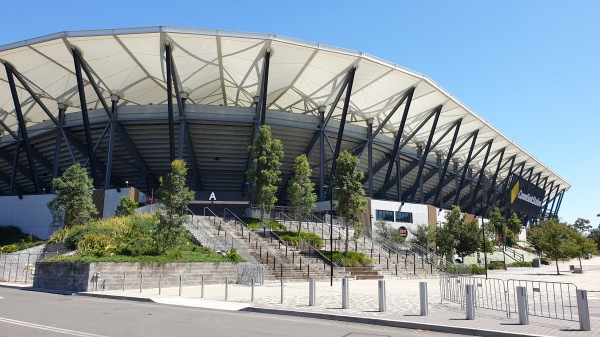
<point x="78" y="277"/>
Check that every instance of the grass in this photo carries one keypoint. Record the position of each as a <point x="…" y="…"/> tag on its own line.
<point x="293" y="239"/>
<point x="351" y="259"/>
<point x="12" y="239"/>
<point x="186" y="256"/>
<point x="255" y="224"/>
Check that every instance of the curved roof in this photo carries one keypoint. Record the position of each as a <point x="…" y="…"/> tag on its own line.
<point x="224" y="68"/>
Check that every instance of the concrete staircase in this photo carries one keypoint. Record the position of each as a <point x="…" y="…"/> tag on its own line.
<point x="364" y="273"/>
<point x="19" y="267"/>
<point x="278" y="259"/>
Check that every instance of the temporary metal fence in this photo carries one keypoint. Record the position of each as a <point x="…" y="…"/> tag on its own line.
<point x="20" y="267"/>
<point x="545" y="299"/>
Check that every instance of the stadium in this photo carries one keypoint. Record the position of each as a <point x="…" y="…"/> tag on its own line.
<point x="126" y="102"/>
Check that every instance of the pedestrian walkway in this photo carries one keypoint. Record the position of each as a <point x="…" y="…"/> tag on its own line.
<point x="403" y="306"/>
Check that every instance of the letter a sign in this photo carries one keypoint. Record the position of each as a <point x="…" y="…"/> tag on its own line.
<point x="212" y="196"/>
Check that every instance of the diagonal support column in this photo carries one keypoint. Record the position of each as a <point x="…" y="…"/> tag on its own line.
<point x="481" y="175"/>
<point x="23" y="129"/>
<point x="465" y="167"/>
<point x="419" y="181"/>
<point x="446" y="163"/>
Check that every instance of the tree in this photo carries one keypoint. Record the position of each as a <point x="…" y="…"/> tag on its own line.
<point x="267" y="154"/>
<point x="514" y="227"/>
<point x="582" y="225"/>
<point x="582" y="247"/>
<point x="348" y="191"/>
<point x="126" y="206"/>
<point x="497" y="222"/>
<point x="301" y="195"/>
<point x="73" y="205"/>
<point x="388" y="233"/>
<point x="553" y="238"/>
<point x="423" y="235"/>
<point x="468" y="237"/>
<point x="172" y="211"/>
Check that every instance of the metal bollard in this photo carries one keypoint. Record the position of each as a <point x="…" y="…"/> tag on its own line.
<point x="424" y="298"/>
<point x="180" y="284"/>
<point x="382" y="295"/>
<point x="470" y="301"/>
<point x="202" y="287"/>
<point x="311" y="292"/>
<point x="252" y="293"/>
<point x="282" y="291"/>
<point x="345" y="293"/>
<point x="141" y="282"/>
<point x="159" y="284"/>
<point x="124" y="276"/>
<point x="584" y="310"/>
<point x="226" y="288"/>
<point x="522" y="306"/>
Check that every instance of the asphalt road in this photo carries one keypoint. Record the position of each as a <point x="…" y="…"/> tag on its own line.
<point x="28" y="313"/>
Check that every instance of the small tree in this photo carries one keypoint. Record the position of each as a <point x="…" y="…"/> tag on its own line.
<point x="467" y="236"/>
<point x="497" y="222"/>
<point x="582" y="247"/>
<point x="126" y="206"/>
<point x="388" y="233"/>
<point x="553" y="238"/>
<point x="349" y="192"/>
<point x="423" y="235"/>
<point x="301" y="193"/>
<point x="267" y="154"/>
<point x="445" y="238"/>
<point x="582" y="225"/>
<point x="514" y="227"/>
<point x="73" y="204"/>
<point x="172" y="211"/>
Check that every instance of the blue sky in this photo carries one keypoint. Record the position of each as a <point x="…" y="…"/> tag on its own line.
<point x="530" y="68"/>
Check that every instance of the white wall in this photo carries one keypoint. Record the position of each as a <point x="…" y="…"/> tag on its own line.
<point x="29" y="213"/>
<point x="419" y="212"/>
<point x="111" y="200"/>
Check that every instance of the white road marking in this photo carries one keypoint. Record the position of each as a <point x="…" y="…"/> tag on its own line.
<point x="48" y="328"/>
<point x="202" y="303"/>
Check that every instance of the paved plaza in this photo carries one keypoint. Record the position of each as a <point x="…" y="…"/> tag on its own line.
<point x="402" y="302"/>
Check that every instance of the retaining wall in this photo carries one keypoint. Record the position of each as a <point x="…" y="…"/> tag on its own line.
<point x="78" y="277"/>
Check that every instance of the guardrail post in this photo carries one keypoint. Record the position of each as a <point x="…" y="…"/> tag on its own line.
<point x="522" y="305"/>
<point x="424" y="298"/>
<point x="470" y="301"/>
<point x="180" y="281"/>
<point x="584" y="311"/>
<point x="282" y="291"/>
<point x="311" y="292"/>
<point x="345" y="294"/>
<point x="381" y="288"/>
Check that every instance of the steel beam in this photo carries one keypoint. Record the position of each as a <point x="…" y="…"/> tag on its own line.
<point x="23" y="129"/>
<point x="321" y="153"/>
<point x="338" y="143"/>
<point x="419" y="181"/>
<point x="370" y="156"/>
<point x="465" y="168"/>
<point x="170" y="103"/>
<point x="383" y="191"/>
<point x="446" y="163"/>
<point x="58" y="142"/>
<point x="109" y="154"/>
<point x="86" y="120"/>
<point x="263" y="87"/>
<point x="493" y="185"/>
<point x="481" y="174"/>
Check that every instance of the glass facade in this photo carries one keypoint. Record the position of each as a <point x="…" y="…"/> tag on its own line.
<point x="389" y="216"/>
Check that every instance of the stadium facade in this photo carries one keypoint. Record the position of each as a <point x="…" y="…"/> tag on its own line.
<point x="125" y="102"/>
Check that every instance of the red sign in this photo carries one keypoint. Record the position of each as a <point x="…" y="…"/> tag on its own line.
<point x="150" y="199"/>
<point x="403" y="231"/>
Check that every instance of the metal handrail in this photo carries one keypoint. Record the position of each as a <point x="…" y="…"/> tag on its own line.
<point x="275" y="258"/>
<point x="514" y="253"/>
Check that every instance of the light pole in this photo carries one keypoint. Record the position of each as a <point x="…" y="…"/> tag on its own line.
<point x="331" y="234"/>
<point x="484" y="245"/>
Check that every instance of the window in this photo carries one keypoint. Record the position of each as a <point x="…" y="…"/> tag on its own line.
<point x="404" y="217"/>
<point x="384" y="215"/>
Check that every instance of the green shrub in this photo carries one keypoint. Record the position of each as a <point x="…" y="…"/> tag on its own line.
<point x="477" y="270"/>
<point x="521" y="264"/>
<point x="293" y="239"/>
<point x="78" y="233"/>
<point x="496" y="265"/>
<point x="545" y="261"/>
<point x="352" y="259"/>
<point x="13" y="234"/>
<point x="233" y="255"/>
<point x="256" y="224"/>
<point x="458" y="269"/>
<point x="97" y="244"/>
